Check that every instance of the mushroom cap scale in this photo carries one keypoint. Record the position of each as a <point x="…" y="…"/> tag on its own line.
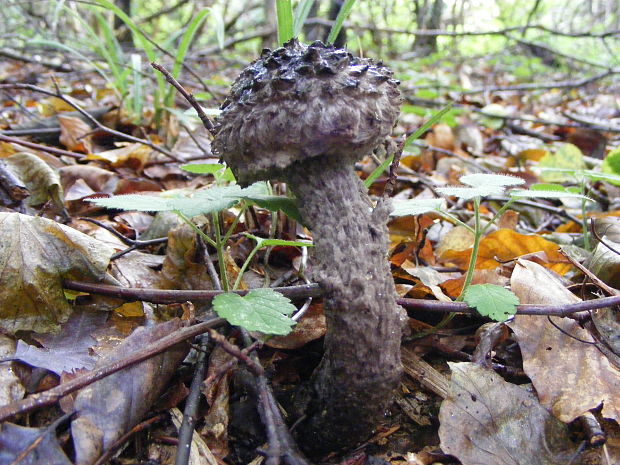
<point x="300" y="101"/>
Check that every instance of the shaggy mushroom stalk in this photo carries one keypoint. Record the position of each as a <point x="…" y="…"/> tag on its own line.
<point x="304" y="115"/>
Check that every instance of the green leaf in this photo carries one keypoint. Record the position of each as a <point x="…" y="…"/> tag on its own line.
<point x="275" y="202"/>
<point x="345" y="9"/>
<point x="285" y="21"/>
<point x="219" y="25"/>
<point x="567" y="158"/>
<point x="261" y="310"/>
<point x="189" y="203"/>
<point x="491" y="300"/>
<point x="552" y="193"/>
<point x="612" y="161"/>
<point x="417" y="206"/>
<point x="488" y="179"/>
<point x="467" y="193"/>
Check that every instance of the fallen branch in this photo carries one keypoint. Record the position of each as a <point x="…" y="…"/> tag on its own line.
<point x="166" y="296"/>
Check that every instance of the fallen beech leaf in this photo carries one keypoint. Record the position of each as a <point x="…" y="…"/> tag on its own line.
<point x="75" y="134"/>
<point x="506" y="245"/>
<point x="110" y="407"/>
<point x="488" y="421"/>
<point x="309" y="328"/>
<point x="42" y="182"/>
<point x="69" y="349"/>
<point x="36" y="254"/>
<point x="134" y="155"/>
<point x="570" y="376"/>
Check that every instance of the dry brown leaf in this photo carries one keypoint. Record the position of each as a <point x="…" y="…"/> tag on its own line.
<point x="312" y="326"/>
<point x="570" y="376"/>
<point x="75" y="134"/>
<point x="505" y="245"/>
<point x="110" y="407"/>
<point x="133" y="155"/>
<point x="182" y="268"/>
<point x="488" y="421"/>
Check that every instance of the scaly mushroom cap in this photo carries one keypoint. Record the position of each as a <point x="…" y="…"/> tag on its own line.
<point x="301" y="101"/>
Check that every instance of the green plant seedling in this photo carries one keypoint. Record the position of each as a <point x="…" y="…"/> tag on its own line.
<point x="492" y="301"/>
<point x="211" y="201"/>
<point x="261" y="310"/>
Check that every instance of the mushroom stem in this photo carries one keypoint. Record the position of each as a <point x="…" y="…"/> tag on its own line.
<point x="353" y="385"/>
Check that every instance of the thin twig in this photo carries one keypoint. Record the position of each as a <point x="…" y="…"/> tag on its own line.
<point x="125" y="437"/>
<point x="42" y="148"/>
<point x="206" y="122"/>
<point x="186" y="431"/>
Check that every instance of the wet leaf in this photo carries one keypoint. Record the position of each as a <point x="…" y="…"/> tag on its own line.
<point x="15" y="440"/>
<point x="36" y="254"/>
<point x="261" y="310"/>
<point x="67" y="350"/>
<point x="488" y="421"/>
<point x="570" y="376"/>
<point x="111" y="406"/>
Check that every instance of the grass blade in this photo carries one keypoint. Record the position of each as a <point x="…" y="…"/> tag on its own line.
<point x="186" y="41"/>
<point x="345" y="9"/>
<point x="301" y="14"/>
<point x="285" y="20"/>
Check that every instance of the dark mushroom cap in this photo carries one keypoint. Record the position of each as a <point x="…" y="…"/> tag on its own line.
<point x="301" y="101"/>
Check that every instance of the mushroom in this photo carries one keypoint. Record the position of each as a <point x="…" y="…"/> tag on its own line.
<point x="304" y="114"/>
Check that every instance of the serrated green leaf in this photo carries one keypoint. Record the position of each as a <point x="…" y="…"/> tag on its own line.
<point x="546" y="187"/>
<point x="139" y="202"/>
<point x="489" y="179"/>
<point x="547" y="194"/>
<point x="203" y="168"/>
<point x="471" y="192"/>
<point x="261" y="310"/>
<point x="275" y="202"/>
<point x="612" y="178"/>
<point x="491" y="300"/>
<point x="417" y="206"/>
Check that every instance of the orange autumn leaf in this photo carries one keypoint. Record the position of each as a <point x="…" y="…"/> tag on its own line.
<point x="505" y="245"/>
